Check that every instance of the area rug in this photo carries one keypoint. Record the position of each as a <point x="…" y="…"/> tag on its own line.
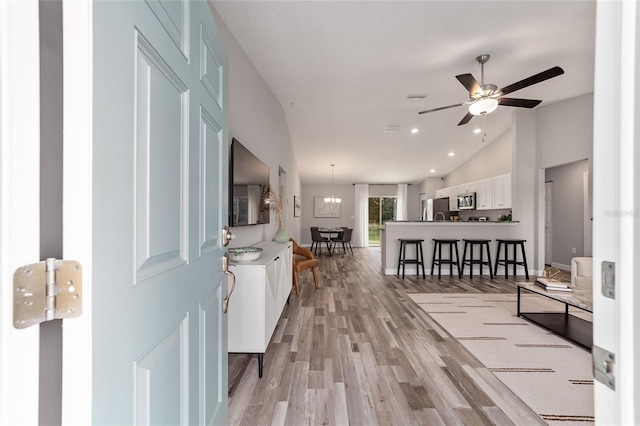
<point x="548" y="373"/>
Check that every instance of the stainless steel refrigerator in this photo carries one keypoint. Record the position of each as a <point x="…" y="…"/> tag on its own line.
<point x="431" y="208"/>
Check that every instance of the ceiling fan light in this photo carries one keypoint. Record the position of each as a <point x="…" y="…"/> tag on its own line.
<point x="483" y="106"/>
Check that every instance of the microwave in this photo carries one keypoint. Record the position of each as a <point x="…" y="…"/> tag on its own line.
<point x="467" y="201"/>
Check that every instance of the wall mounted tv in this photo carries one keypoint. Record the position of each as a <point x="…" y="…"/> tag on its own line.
<point x="249" y="187"/>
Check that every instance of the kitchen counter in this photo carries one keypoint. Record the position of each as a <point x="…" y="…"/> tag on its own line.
<point x="427" y="231"/>
<point x="449" y="222"/>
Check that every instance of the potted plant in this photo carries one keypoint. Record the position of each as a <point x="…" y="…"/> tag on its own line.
<point x="276" y="204"/>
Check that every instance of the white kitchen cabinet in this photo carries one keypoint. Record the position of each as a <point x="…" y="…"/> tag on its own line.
<point x="442" y="192"/>
<point x="262" y="289"/>
<point x="468" y="188"/>
<point x="502" y="191"/>
<point x="484" y="195"/>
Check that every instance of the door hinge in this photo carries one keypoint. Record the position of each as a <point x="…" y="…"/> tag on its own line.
<point x="603" y="365"/>
<point x="47" y="290"/>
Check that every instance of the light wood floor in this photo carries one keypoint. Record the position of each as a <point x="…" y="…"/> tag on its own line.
<point x="359" y="351"/>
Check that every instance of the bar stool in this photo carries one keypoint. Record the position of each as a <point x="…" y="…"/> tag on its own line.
<point x="506" y="261"/>
<point x="437" y="247"/>
<point x="483" y="244"/>
<point x="402" y="256"/>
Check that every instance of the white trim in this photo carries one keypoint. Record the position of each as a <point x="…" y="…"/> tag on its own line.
<point x="561" y="266"/>
<point x="588" y="243"/>
<point x="77" y="219"/>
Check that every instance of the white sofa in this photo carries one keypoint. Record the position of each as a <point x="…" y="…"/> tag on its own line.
<point x="582" y="273"/>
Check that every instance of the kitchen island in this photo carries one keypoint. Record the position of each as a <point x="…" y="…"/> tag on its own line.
<point x="393" y="230"/>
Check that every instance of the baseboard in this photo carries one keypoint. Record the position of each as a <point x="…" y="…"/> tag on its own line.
<point x="566" y="268"/>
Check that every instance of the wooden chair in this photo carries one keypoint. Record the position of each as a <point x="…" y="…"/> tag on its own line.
<point x="303" y="259"/>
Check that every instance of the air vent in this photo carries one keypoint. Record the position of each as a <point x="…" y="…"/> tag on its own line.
<point x="416" y="96"/>
<point x="391" y="128"/>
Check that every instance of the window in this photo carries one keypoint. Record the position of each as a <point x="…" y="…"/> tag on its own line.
<point x="381" y="209"/>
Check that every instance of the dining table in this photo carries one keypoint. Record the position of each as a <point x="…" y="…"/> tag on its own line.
<point x="331" y="232"/>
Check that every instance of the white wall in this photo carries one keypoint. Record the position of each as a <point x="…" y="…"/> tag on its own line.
<point x="492" y="160"/>
<point x="257" y="120"/>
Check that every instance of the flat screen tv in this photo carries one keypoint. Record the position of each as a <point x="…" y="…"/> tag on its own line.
<point x="249" y="179"/>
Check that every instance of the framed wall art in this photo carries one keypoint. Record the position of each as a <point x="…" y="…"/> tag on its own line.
<point x="296" y="206"/>
<point x="323" y="209"/>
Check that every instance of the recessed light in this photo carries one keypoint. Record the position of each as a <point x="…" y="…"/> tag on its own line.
<point x="432" y="171"/>
<point x="451" y="154"/>
<point x="414" y="130"/>
<point x="392" y="128"/>
<point x="416" y="96"/>
<point x="477" y="131"/>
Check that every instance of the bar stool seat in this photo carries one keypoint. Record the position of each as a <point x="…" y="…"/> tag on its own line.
<point x="402" y="256"/>
<point x="437" y="249"/>
<point x="482" y="244"/>
<point x="506" y="260"/>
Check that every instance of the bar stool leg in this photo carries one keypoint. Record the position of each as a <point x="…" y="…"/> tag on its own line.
<point x="464" y="258"/>
<point x="440" y="260"/>
<point x="458" y="261"/>
<point x="524" y="259"/>
<point x="400" y="256"/>
<point x="481" y="258"/>
<point x="489" y="258"/>
<point x="470" y="263"/>
<point x="433" y="258"/>
<point x="495" y="270"/>
<point x="422" y="260"/>
<point x="404" y="256"/>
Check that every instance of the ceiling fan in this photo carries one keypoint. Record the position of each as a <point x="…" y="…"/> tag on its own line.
<point x="485" y="98"/>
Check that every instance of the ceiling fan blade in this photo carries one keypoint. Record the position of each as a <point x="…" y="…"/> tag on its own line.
<point x="441" y="108"/>
<point x="469" y="82"/>
<point x="534" y="79"/>
<point x="465" y="119"/>
<point x="521" y="103"/>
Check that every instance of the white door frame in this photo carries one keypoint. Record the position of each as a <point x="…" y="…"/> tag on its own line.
<point x="77" y="219"/>
<point x="548" y="218"/>
<point x="616" y="230"/>
<point x="19" y="202"/>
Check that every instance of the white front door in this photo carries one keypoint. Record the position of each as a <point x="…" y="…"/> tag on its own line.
<point x="146" y="159"/>
<point x="19" y="203"/>
<point x="616" y="211"/>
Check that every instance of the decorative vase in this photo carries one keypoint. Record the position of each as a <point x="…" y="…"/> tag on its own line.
<point x="281" y="236"/>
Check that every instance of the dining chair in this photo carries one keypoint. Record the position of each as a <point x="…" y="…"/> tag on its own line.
<point x="317" y="240"/>
<point x="345" y="239"/>
<point x="303" y="259"/>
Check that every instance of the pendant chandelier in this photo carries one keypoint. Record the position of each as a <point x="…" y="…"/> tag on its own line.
<point x="332" y="199"/>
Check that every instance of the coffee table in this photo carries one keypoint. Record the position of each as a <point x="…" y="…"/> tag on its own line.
<point x="564" y="323"/>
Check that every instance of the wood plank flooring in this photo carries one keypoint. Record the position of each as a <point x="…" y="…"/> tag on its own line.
<point x="358" y="351"/>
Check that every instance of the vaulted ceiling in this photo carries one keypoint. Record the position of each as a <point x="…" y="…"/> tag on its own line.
<point x="343" y="71"/>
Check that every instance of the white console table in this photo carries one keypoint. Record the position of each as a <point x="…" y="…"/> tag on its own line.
<point x="262" y="290"/>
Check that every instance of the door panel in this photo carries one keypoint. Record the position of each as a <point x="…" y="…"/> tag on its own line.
<point x="159" y="157"/>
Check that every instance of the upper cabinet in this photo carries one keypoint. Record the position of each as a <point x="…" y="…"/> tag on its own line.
<point x="491" y="193"/>
<point x="502" y="191"/>
<point x="484" y="196"/>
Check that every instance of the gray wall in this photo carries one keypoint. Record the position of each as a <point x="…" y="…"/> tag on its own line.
<point x="258" y="121"/>
<point x="567" y="210"/>
<point x="347" y="193"/>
